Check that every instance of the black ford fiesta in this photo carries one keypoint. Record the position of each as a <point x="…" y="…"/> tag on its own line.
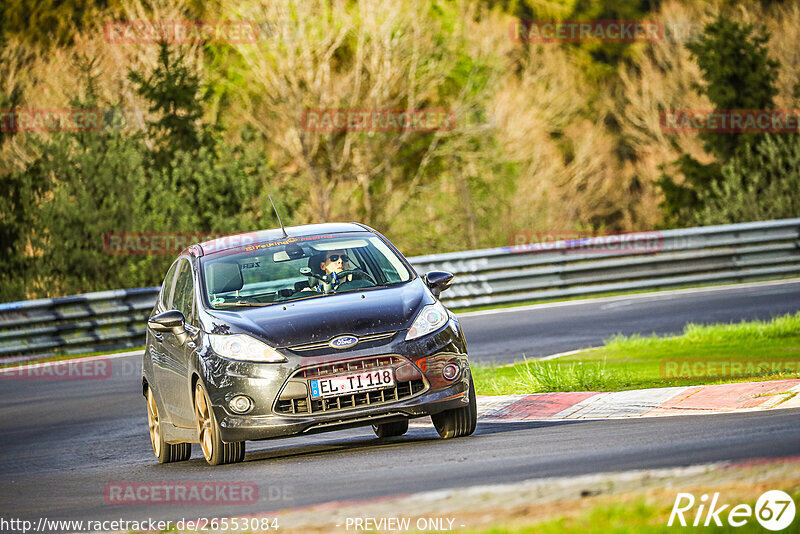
<point x="280" y="333"/>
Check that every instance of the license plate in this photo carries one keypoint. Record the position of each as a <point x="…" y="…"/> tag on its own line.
<point x="342" y="385"/>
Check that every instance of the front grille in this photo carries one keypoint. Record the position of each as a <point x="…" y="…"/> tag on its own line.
<point x="400" y="391"/>
<point x="306" y="405"/>
<point x="326" y="344"/>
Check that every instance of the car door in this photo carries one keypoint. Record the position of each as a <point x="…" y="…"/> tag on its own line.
<point x="155" y="340"/>
<point x="178" y="349"/>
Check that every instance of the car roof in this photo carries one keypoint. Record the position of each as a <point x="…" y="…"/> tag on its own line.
<point x="261" y="236"/>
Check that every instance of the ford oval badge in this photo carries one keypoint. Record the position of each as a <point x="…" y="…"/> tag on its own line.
<point x="342" y="342"/>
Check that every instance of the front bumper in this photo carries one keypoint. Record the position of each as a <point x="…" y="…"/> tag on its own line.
<point x="265" y="383"/>
<point x="243" y="427"/>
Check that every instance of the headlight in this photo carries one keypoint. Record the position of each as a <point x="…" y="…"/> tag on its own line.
<point x="242" y="347"/>
<point x="431" y="318"/>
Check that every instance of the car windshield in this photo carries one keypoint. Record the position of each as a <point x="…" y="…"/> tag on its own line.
<point x="300" y="267"/>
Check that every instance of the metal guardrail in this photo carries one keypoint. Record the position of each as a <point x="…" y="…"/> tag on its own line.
<point x="668" y="259"/>
<point x="75" y="324"/>
<point x="730" y="253"/>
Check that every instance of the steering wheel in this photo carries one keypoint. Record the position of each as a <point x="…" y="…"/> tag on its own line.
<point x="357" y="274"/>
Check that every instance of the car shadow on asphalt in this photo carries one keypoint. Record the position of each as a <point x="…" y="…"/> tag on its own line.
<point x="416" y="436"/>
<point x="350" y="445"/>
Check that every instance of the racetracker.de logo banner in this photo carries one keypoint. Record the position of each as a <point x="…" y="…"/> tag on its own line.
<point x="89" y="369"/>
<point x="200" y="493"/>
<point x="172" y="243"/>
<point x="154" y="243"/>
<point x="51" y="120"/>
<point x="181" y="31"/>
<point x="731" y="121"/>
<point x="592" y="31"/>
<point x="585" y="242"/>
<point x="728" y="368"/>
<point x="377" y="120"/>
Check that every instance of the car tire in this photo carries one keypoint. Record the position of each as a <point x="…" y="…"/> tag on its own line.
<point x="215" y="451"/>
<point x="459" y="421"/>
<point x="165" y="452"/>
<point x="389" y="430"/>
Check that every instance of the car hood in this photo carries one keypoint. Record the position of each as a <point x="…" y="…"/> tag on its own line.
<point x="321" y="318"/>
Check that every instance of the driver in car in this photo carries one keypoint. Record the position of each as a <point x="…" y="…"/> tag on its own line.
<point x="329" y="265"/>
<point x="334" y="262"/>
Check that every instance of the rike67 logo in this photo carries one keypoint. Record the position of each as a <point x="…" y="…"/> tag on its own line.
<point x="774" y="510"/>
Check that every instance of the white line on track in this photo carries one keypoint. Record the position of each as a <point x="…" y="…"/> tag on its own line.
<point x="561" y="354"/>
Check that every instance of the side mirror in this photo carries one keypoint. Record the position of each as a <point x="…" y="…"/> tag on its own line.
<point x="438" y="281"/>
<point x="169" y="321"/>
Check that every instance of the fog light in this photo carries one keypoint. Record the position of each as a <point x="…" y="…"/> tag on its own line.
<point x="241" y="404"/>
<point x="451" y="371"/>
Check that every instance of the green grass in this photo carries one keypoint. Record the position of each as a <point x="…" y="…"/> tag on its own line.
<point x="639" y="514"/>
<point x="748" y="351"/>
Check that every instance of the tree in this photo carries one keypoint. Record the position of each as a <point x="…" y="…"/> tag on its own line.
<point x="18" y="194"/>
<point x="372" y="57"/>
<point x="739" y="75"/>
<point x="47" y="22"/>
<point x="222" y="184"/>
<point x="762" y="182"/>
<point x="176" y="100"/>
<point x="177" y="176"/>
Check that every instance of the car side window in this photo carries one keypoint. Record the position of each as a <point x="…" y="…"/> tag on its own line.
<point x="388" y="270"/>
<point x="354" y="259"/>
<point x="184" y="292"/>
<point x="166" y="287"/>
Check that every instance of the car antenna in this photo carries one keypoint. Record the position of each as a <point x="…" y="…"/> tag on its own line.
<point x="278" y="216"/>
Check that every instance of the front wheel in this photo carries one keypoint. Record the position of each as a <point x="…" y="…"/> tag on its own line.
<point x="215" y="451"/>
<point x="165" y="452"/>
<point x="459" y="421"/>
<point x="389" y="430"/>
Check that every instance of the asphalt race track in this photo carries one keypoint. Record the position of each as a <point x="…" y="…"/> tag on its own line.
<point x="64" y="441"/>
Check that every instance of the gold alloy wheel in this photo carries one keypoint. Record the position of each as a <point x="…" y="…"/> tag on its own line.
<point x="153" y="423"/>
<point x="203" y="416"/>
